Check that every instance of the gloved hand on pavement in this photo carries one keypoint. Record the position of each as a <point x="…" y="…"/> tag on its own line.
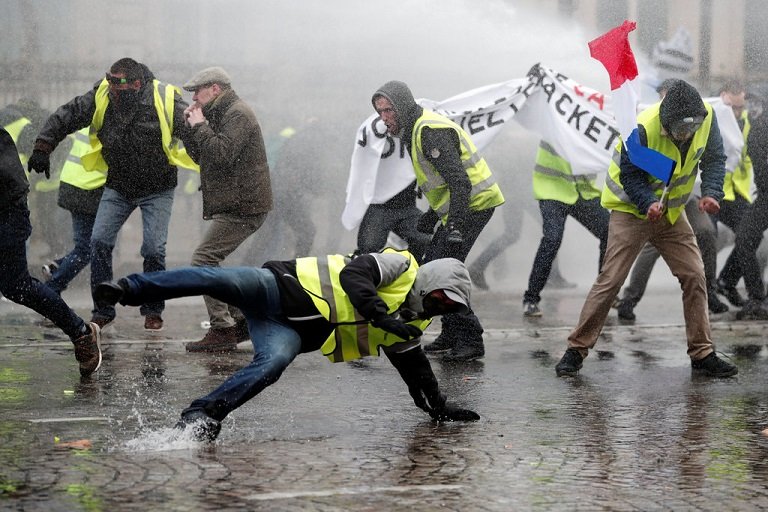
<point x="397" y="327"/>
<point x="40" y="162"/>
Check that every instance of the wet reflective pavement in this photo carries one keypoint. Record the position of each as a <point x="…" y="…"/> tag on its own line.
<point x="634" y="431"/>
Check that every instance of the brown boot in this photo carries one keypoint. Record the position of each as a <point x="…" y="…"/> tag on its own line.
<point x="216" y="340"/>
<point x="242" y="330"/>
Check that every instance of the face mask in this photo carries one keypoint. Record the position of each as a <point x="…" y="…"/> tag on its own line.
<point x="126" y="99"/>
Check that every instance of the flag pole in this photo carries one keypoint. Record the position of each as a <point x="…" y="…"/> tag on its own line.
<point x="663" y="199"/>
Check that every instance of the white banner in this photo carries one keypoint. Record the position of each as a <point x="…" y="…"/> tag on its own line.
<point x="575" y="120"/>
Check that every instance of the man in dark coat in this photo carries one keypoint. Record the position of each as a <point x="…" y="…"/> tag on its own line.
<point x="226" y="142"/>
<point x="134" y="137"/>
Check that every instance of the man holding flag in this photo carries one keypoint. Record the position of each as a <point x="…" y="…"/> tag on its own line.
<point x="649" y="181"/>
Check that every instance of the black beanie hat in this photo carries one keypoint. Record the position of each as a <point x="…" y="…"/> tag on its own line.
<point x="682" y="100"/>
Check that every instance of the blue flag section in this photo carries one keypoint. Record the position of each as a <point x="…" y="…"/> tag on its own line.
<point x="651" y="161"/>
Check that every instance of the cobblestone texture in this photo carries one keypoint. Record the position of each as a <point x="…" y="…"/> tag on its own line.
<point x="635" y="431"/>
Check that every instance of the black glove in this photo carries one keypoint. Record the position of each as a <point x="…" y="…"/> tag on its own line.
<point x="453" y="229"/>
<point x="397" y="327"/>
<point x="452" y="413"/>
<point x="427" y="221"/>
<point x="40" y="162"/>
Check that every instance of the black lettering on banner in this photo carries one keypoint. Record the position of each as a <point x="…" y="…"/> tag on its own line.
<point x="549" y="90"/>
<point x="612" y="139"/>
<point x="561" y="77"/>
<point x="559" y="102"/>
<point x="375" y="129"/>
<point x="389" y="148"/>
<point x="529" y="88"/>
<point x="402" y="149"/>
<point x="473" y="121"/>
<point x="363" y="140"/>
<point x="591" y="128"/>
<point x="491" y="122"/>
<point x="577" y="116"/>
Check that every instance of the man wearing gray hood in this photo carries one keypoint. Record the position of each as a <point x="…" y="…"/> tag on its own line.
<point x="347" y="308"/>
<point x="461" y="191"/>
<point x="646" y="209"/>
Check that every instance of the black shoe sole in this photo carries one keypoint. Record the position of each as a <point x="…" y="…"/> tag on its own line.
<point x="566" y="373"/>
<point x="463" y="358"/>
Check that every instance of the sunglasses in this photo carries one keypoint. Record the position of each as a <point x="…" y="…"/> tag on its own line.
<point x="686" y="126"/>
<point x="115" y="80"/>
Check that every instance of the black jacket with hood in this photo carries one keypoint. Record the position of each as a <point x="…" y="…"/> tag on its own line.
<point x="13" y="181"/>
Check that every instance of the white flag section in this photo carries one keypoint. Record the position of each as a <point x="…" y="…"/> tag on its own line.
<point x="575" y="120"/>
<point x="733" y="139"/>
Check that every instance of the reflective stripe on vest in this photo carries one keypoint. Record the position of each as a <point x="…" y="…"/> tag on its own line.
<point x="73" y="173"/>
<point x="485" y="192"/>
<point x="739" y="181"/>
<point x="683" y="178"/>
<point x="177" y="155"/>
<point x="353" y="337"/>
<point x="14" y="129"/>
<point x="553" y="178"/>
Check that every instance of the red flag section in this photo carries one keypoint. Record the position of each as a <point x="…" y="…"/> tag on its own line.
<point x="613" y="50"/>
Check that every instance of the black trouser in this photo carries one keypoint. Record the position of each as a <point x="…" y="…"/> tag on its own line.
<point x="16" y="283"/>
<point x="465" y="328"/>
<point x="749" y="234"/>
<point x="588" y="212"/>
<point x="731" y="213"/>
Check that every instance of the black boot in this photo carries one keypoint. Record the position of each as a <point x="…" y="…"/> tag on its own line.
<point x="469" y="332"/>
<point x="448" y="338"/>
<point x="716" y="306"/>
<point x="202" y="426"/>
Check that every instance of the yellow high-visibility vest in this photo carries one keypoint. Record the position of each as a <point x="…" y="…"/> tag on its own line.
<point x="14" y="129"/>
<point x="177" y="155"/>
<point x="683" y="177"/>
<point x="485" y="191"/>
<point x="553" y="178"/>
<point x="73" y="172"/>
<point x="739" y="181"/>
<point x="354" y="337"/>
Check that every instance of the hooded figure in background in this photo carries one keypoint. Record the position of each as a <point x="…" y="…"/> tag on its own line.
<point x="646" y="209"/>
<point x="347" y="308"/>
<point x="461" y="191"/>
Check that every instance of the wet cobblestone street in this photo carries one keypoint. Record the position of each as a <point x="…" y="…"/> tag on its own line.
<point x="636" y="430"/>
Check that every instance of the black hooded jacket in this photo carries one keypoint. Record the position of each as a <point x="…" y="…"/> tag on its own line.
<point x="131" y="139"/>
<point x="443" y="142"/>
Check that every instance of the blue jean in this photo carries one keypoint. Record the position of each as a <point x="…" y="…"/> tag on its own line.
<point x="252" y="290"/>
<point x="18" y="285"/>
<point x="79" y="257"/>
<point x="588" y="212"/>
<point x="114" y="210"/>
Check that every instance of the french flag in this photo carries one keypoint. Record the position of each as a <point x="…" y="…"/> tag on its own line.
<point x="613" y="51"/>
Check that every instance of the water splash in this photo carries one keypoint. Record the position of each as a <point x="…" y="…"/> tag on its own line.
<point x="162" y="440"/>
